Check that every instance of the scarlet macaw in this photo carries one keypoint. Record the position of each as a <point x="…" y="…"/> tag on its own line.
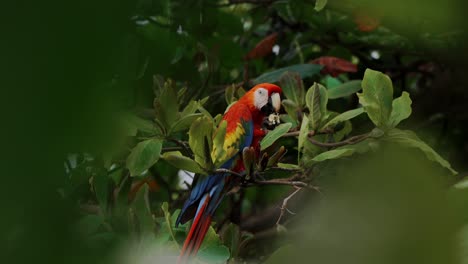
<point x="244" y="129"/>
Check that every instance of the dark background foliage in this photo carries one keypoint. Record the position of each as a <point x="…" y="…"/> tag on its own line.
<point x="68" y="68"/>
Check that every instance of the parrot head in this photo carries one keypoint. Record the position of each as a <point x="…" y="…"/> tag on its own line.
<point x="264" y="98"/>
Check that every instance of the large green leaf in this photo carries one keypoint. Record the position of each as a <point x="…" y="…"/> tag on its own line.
<point x="182" y="162"/>
<point x="140" y="206"/>
<point x="401" y="109"/>
<point x="304" y="70"/>
<point x="343" y="117"/>
<point x="316" y="100"/>
<point x="275" y="134"/>
<point x="143" y="156"/>
<point x="410" y="139"/>
<point x="344" y="89"/>
<point x="376" y="97"/>
<point x="293" y="87"/>
<point x="184" y="123"/>
<point x="200" y="134"/>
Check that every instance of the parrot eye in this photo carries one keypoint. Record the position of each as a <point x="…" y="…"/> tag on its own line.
<point x="261" y="98"/>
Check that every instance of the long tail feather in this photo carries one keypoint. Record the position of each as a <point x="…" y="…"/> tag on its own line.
<point x="197" y="232"/>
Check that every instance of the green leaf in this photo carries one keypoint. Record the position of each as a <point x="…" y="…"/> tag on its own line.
<point x="166" y="105"/>
<point x="304" y="131"/>
<point x="343" y="117"/>
<point x="410" y="139"/>
<point x="376" y="97"/>
<point x="219" y="154"/>
<point x="333" y="154"/>
<point x="211" y="250"/>
<point x="201" y="132"/>
<point x="401" y="109"/>
<point x="141" y="208"/>
<point x="143" y="156"/>
<point x="345" y="89"/>
<point x="289" y="166"/>
<point x="293" y="87"/>
<point x="331" y="82"/>
<point x="132" y="123"/>
<point x="273" y="160"/>
<point x="291" y="108"/>
<point x="169" y="225"/>
<point x="280" y="255"/>
<point x="176" y="159"/>
<point x="229" y="94"/>
<point x="320" y="4"/>
<point x="100" y="184"/>
<point x="316" y="100"/>
<point x="184" y="123"/>
<point x="191" y="107"/>
<point x="89" y="224"/>
<point x="304" y="70"/>
<point x="273" y="135"/>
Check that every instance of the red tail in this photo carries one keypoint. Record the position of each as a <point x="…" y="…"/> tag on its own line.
<point x="197" y="232"/>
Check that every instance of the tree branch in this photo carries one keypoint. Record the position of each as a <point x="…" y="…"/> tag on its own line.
<point x="349" y="141"/>
<point x="285" y="204"/>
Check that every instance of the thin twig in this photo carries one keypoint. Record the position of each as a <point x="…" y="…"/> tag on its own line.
<point x="349" y="141"/>
<point x="183" y="146"/>
<point x="281" y="182"/>
<point x="285" y="204"/>
<point x="221" y="170"/>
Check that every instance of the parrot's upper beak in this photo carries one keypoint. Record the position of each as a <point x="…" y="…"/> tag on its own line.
<point x="273" y="105"/>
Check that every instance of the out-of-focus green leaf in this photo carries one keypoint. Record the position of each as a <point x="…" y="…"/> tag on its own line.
<point x="281" y="253"/>
<point x="376" y="97"/>
<point x="219" y="154"/>
<point x="143" y="156"/>
<point x="344" y="89"/>
<point x="275" y="134"/>
<point x="343" y="117"/>
<point x="141" y="208"/>
<point x="304" y="70"/>
<point x="316" y="100"/>
<point x="401" y="109"/>
<point x="200" y="133"/>
<point x="410" y="139"/>
<point x="320" y="4"/>
<point x="229" y="94"/>
<point x="248" y="156"/>
<point x="133" y="123"/>
<point x="293" y="87"/>
<point x="211" y="250"/>
<point x="184" y="123"/>
<point x="89" y="224"/>
<point x="100" y="184"/>
<point x="182" y="162"/>
<point x="332" y="82"/>
<point x="166" y="105"/>
<point x="169" y="225"/>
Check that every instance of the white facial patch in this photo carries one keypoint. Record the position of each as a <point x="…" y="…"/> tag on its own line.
<point x="260" y="98"/>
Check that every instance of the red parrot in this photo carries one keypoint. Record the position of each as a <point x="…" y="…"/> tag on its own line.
<point x="244" y="129"/>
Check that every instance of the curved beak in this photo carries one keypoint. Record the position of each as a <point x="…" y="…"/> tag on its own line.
<point x="273" y="105"/>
